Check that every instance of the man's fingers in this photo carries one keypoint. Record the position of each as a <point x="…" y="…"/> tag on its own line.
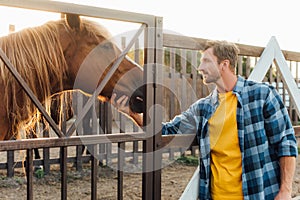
<point x="120" y="104"/>
<point x="113" y="99"/>
<point x="121" y="100"/>
<point x="123" y="103"/>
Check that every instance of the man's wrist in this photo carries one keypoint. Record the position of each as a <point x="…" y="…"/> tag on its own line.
<point x="286" y="188"/>
<point x="137" y="117"/>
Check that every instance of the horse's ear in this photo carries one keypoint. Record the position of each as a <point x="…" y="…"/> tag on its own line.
<point x="73" y="21"/>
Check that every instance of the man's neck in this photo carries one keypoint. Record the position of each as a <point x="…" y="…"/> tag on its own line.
<point x="227" y="83"/>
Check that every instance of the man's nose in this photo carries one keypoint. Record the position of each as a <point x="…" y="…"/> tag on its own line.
<point x="200" y="67"/>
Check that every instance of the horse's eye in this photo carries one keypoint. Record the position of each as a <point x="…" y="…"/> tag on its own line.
<point x="106" y="45"/>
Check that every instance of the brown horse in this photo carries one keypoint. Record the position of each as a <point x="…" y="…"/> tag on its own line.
<point x="63" y="55"/>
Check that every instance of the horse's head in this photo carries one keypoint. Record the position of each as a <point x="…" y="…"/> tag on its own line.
<point x="90" y="53"/>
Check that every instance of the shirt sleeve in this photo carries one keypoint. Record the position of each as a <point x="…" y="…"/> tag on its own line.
<point x="186" y="122"/>
<point x="278" y="125"/>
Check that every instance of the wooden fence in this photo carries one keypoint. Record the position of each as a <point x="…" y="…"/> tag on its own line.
<point x="247" y="60"/>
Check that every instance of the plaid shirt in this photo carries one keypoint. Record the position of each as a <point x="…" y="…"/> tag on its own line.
<point x="264" y="130"/>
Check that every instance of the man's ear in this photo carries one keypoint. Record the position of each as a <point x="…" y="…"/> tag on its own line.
<point x="225" y="64"/>
<point x="73" y="21"/>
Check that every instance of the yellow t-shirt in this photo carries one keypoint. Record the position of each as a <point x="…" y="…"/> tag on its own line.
<point x="226" y="161"/>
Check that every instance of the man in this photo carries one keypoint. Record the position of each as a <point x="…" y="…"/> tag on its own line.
<point x="246" y="140"/>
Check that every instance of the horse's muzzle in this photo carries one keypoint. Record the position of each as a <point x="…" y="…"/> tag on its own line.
<point x="136" y="101"/>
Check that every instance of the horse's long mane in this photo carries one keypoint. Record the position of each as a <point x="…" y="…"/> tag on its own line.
<point x="37" y="55"/>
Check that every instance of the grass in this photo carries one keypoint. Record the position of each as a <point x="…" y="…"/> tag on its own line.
<point x="188" y="160"/>
<point x="39" y="173"/>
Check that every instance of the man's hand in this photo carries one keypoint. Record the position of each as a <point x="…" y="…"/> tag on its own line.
<point x="120" y="104"/>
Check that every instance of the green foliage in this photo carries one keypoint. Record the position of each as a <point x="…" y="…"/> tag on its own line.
<point x="188" y="160"/>
<point x="178" y="59"/>
<point x="131" y="54"/>
<point x="39" y="173"/>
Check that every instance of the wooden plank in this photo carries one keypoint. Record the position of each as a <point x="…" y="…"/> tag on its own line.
<point x="297" y="131"/>
<point x="55" y="6"/>
<point x="193" y="43"/>
<point x="288" y="79"/>
<point x="240" y="66"/>
<point x="71" y="141"/>
<point x="194" y="75"/>
<point x="264" y="63"/>
<point x="10" y="163"/>
<point x="248" y="67"/>
<point x="184" y="88"/>
<point x="172" y="83"/>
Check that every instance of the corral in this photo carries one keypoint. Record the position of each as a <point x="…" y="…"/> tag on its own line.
<point x="178" y="61"/>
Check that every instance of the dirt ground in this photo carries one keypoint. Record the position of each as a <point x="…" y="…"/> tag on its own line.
<point x="174" y="179"/>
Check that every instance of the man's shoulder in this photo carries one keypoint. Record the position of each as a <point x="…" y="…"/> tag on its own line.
<point x="253" y="90"/>
<point x="257" y="86"/>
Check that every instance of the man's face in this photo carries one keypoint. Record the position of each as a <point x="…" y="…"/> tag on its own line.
<point x="209" y="67"/>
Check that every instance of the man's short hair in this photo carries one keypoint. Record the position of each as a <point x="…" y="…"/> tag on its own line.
<point x="224" y="50"/>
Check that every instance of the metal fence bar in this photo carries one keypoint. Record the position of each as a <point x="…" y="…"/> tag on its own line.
<point x="94" y="175"/>
<point x="79" y="149"/>
<point x="157" y="117"/>
<point x="63" y="170"/>
<point x="29" y="173"/>
<point x="121" y="162"/>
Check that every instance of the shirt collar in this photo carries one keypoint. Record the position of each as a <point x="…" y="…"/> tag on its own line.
<point x="239" y="85"/>
<point x="237" y="89"/>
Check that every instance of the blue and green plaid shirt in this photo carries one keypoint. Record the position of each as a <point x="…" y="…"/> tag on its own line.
<point x="264" y="130"/>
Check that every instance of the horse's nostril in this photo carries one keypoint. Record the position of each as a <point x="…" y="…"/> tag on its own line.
<point x="139" y="98"/>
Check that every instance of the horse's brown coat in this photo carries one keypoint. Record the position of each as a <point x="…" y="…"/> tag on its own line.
<point x="55" y="57"/>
